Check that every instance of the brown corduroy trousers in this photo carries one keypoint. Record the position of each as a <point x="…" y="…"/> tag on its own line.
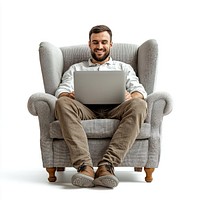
<point x="70" y="112"/>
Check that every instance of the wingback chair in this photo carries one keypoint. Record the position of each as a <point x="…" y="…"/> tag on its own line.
<point x="145" y="152"/>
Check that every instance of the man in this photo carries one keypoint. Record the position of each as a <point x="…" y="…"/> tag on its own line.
<point x="69" y="112"/>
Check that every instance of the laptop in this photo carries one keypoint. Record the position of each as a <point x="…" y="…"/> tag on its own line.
<point x="99" y="87"/>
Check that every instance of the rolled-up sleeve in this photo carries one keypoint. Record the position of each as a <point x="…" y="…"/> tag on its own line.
<point x="132" y="81"/>
<point x="67" y="83"/>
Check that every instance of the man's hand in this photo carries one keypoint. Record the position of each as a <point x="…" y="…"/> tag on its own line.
<point x="133" y="95"/>
<point x="127" y="96"/>
<point x="66" y="94"/>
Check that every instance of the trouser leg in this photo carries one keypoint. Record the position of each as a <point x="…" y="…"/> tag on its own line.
<point x="131" y="114"/>
<point x="70" y="112"/>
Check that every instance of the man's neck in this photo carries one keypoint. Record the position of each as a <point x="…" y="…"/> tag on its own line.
<point x="100" y="63"/>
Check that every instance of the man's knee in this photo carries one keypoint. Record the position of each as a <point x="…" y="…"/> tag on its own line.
<point x="63" y="102"/>
<point x="138" y="105"/>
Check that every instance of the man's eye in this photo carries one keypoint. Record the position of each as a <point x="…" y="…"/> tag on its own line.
<point x="104" y="42"/>
<point x="94" y="42"/>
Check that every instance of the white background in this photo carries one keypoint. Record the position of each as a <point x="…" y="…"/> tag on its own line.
<point x="26" y="23"/>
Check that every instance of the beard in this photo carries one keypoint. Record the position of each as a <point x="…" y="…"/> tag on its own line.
<point x="100" y="59"/>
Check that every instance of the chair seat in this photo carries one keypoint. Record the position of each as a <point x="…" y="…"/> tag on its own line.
<point x="98" y="128"/>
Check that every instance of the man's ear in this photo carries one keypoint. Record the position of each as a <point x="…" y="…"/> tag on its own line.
<point x="111" y="44"/>
<point x="89" y="43"/>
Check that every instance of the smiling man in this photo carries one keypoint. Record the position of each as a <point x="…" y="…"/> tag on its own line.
<point x="70" y="112"/>
<point x="100" y="44"/>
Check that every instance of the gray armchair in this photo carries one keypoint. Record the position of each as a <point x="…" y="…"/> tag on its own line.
<point x="145" y="152"/>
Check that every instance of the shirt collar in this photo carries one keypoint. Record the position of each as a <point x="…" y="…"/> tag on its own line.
<point x="91" y="64"/>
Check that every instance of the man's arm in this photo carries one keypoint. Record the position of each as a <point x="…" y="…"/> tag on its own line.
<point x="133" y="86"/>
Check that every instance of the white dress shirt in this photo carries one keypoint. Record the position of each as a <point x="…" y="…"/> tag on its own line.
<point x="132" y="81"/>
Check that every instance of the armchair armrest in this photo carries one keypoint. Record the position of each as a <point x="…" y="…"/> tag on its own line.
<point x="36" y="104"/>
<point x="159" y="104"/>
<point x="43" y="106"/>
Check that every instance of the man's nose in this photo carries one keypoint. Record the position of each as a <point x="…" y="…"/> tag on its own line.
<point x="100" y="46"/>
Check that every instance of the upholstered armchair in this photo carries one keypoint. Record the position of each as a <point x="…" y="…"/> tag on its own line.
<point x="145" y="152"/>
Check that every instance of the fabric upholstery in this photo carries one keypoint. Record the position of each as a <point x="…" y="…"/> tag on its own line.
<point x="145" y="152"/>
<point x="55" y="61"/>
<point x="98" y="128"/>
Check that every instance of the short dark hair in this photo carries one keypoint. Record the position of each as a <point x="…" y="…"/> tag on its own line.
<point x="99" y="29"/>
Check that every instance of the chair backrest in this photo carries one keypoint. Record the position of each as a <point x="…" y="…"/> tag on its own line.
<point x="55" y="61"/>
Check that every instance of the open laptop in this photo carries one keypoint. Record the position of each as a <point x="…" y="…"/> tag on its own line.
<point x="99" y="87"/>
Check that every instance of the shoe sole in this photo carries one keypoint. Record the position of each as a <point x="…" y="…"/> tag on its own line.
<point x="108" y="181"/>
<point x="82" y="180"/>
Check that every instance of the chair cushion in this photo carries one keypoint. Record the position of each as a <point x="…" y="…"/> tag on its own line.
<point x="98" y="128"/>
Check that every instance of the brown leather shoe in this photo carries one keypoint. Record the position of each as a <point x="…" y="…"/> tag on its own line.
<point x="105" y="176"/>
<point x="84" y="177"/>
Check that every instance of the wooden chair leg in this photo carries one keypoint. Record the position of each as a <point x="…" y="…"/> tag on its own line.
<point x="51" y="171"/>
<point x="137" y="169"/>
<point x="149" y="172"/>
<point x="60" y="169"/>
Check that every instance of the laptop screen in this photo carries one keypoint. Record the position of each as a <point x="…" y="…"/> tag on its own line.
<point x="99" y="87"/>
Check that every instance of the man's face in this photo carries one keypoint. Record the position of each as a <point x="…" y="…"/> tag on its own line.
<point x="100" y="45"/>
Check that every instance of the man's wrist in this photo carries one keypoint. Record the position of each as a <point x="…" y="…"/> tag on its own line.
<point x="137" y="95"/>
<point x="66" y="94"/>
